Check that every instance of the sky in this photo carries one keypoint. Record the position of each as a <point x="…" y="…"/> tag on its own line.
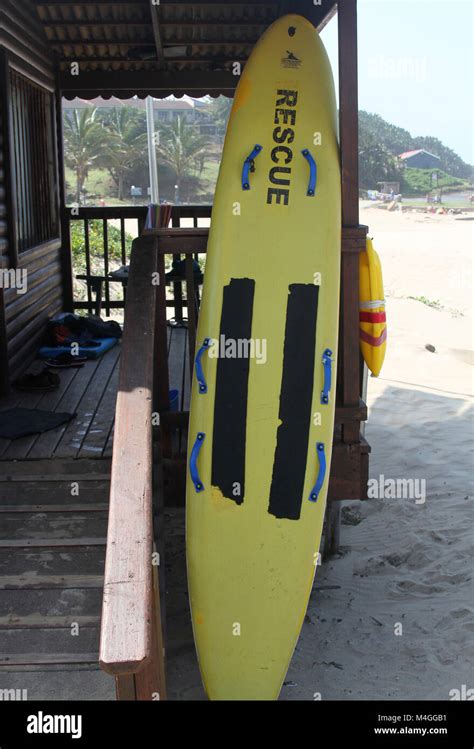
<point x="416" y="66"/>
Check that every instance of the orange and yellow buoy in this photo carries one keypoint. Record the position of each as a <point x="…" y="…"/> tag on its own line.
<point x="372" y="319"/>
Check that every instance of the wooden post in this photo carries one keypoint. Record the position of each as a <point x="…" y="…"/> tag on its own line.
<point x="150" y="681"/>
<point x="131" y="635"/>
<point x="5" y="236"/>
<point x="348" y="127"/>
<point x="64" y="220"/>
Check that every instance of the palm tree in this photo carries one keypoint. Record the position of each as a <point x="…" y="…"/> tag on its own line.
<point x="183" y="149"/>
<point x="84" y="145"/>
<point x="220" y="111"/>
<point x="127" y="146"/>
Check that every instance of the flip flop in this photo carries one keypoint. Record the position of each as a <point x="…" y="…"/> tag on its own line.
<point x="38" y="383"/>
<point x="64" y="361"/>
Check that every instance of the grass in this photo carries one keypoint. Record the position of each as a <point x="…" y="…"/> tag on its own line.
<point x="435" y="303"/>
<point x="100" y="184"/>
<point x="416" y="181"/>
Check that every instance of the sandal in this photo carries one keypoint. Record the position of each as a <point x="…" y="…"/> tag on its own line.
<point x="64" y="361"/>
<point x="38" y="383"/>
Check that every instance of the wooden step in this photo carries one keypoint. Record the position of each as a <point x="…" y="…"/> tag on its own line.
<point x="73" y="491"/>
<point x="37" y="564"/>
<point x="50" y="582"/>
<point x="50" y="543"/>
<point x="38" y="646"/>
<point x="57" y="526"/>
<point x="49" y="605"/>
<point x="55" y="470"/>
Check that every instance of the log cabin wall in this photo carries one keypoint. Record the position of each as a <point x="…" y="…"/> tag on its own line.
<point x="29" y="193"/>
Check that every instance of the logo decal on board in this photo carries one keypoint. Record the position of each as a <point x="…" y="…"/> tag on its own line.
<point x="291" y="60"/>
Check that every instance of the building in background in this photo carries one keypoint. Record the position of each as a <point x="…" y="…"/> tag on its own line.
<point x="420" y="159"/>
<point x="195" y="111"/>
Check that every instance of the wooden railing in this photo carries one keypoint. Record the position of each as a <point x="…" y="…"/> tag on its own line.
<point x="97" y="264"/>
<point x="131" y="647"/>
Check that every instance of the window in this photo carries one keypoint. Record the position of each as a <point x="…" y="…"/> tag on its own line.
<point x="33" y="163"/>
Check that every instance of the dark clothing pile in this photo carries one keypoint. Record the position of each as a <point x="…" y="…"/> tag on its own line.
<point x="67" y="328"/>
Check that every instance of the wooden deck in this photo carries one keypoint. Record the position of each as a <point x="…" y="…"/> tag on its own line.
<point x="91" y="393"/>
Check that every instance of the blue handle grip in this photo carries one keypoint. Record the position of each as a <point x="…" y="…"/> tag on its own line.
<point x="327" y="364"/>
<point x="198" y="366"/>
<point x="248" y="166"/>
<point x="193" y="469"/>
<point x="313" y="173"/>
<point x="313" y="497"/>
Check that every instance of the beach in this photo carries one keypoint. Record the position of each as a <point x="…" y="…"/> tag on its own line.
<point x="391" y="615"/>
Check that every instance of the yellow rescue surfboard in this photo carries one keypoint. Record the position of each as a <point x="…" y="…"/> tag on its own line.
<point x="262" y="409"/>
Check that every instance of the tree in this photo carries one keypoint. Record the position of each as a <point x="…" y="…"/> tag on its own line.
<point x="219" y="111"/>
<point x="84" y="145"/>
<point x="183" y="149"/>
<point x="376" y="163"/>
<point x="392" y="140"/>
<point x="127" y="146"/>
<point x="450" y="161"/>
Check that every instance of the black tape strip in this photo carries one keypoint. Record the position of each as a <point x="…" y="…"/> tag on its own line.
<point x="296" y="395"/>
<point x="230" y="405"/>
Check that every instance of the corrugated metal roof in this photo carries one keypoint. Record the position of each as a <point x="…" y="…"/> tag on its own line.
<point x="199" y="42"/>
<point x="195" y="34"/>
<point x="115" y="36"/>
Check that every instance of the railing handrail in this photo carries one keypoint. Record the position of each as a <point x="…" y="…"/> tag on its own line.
<point x="133" y="211"/>
<point x="79" y="213"/>
<point x="126" y="632"/>
<point x="109" y="295"/>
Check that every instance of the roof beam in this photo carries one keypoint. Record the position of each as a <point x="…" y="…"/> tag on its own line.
<point x="153" y="82"/>
<point x="150" y="43"/>
<point x="148" y="60"/>
<point x="110" y="42"/>
<point x="51" y="23"/>
<point x="144" y="3"/>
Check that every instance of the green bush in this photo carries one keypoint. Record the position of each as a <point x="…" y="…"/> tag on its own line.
<point x="419" y="181"/>
<point x="96" y="244"/>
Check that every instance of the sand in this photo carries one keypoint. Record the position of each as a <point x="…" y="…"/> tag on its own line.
<point x="391" y="615"/>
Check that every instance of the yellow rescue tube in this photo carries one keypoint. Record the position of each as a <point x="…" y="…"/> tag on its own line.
<point x="372" y="319"/>
<point x="262" y="407"/>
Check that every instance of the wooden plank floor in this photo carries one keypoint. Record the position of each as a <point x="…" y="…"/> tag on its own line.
<point x="90" y="392"/>
<point x="52" y="553"/>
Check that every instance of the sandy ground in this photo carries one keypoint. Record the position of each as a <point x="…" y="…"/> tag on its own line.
<point x="391" y="616"/>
